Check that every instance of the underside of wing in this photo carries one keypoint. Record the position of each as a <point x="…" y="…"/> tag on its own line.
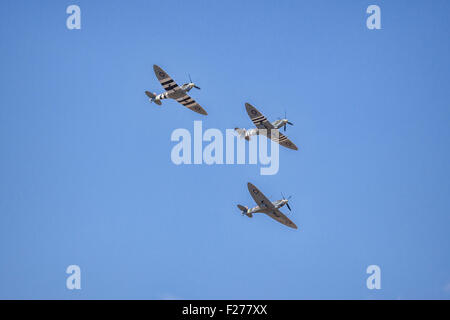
<point x="259" y="198"/>
<point x="282" y="139"/>
<point x="190" y="103"/>
<point x="166" y="81"/>
<point x="257" y="118"/>
<point x="280" y="217"/>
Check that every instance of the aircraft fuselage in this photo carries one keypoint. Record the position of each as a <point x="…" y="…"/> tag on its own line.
<point x="175" y="94"/>
<point x="277" y="204"/>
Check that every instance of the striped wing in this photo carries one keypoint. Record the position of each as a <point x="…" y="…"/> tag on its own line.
<point x="190" y="103"/>
<point x="281" y="139"/>
<point x="257" y="118"/>
<point x="166" y="81"/>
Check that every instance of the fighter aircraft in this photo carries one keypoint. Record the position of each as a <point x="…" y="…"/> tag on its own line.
<point x="270" y="130"/>
<point x="174" y="91"/>
<point x="265" y="206"/>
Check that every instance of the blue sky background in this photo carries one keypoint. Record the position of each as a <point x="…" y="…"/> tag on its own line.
<point x="85" y="170"/>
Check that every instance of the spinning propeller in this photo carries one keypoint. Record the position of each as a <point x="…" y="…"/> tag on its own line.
<point x="190" y="80"/>
<point x="287" y="204"/>
<point x="287" y="123"/>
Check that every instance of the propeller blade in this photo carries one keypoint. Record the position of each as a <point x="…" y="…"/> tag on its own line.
<point x="290" y="123"/>
<point x="196" y="87"/>
<point x="287" y="204"/>
<point x="284" y="128"/>
<point x="190" y="80"/>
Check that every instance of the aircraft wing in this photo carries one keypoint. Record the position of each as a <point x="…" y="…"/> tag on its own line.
<point x="257" y="118"/>
<point x="281" y="139"/>
<point x="190" y="103"/>
<point x="166" y="81"/>
<point x="175" y="91"/>
<point x="259" y="198"/>
<point x="280" y="217"/>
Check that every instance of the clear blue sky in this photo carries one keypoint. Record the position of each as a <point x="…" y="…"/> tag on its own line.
<point x="85" y="170"/>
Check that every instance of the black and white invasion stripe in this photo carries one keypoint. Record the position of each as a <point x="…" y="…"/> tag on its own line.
<point x="258" y="120"/>
<point x="186" y="101"/>
<point x="168" y="84"/>
<point x="281" y="138"/>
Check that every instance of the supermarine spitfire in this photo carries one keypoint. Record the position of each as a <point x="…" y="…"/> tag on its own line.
<point x="174" y="91"/>
<point x="263" y="126"/>
<point x="264" y="205"/>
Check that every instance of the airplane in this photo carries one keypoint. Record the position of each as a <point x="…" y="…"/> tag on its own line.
<point x="264" y="205"/>
<point x="270" y="129"/>
<point x="174" y="91"/>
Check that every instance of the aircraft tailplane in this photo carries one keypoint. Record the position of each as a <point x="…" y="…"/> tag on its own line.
<point x="245" y="210"/>
<point x="152" y="97"/>
<point x="242" y="133"/>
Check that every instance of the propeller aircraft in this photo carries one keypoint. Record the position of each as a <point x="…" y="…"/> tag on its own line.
<point x="174" y="91"/>
<point x="263" y="126"/>
<point x="264" y="205"/>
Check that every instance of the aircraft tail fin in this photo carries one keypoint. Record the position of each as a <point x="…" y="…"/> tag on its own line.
<point x="152" y="97"/>
<point x="244" y="210"/>
<point x="242" y="133"/>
